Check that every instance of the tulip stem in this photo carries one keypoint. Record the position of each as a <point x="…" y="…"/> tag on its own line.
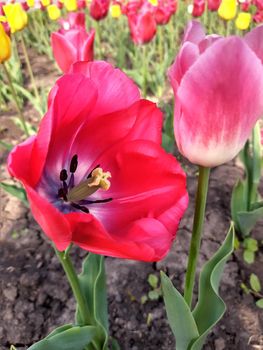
<point x="14" y="95"/>
<point x="72" y="277"/>
<point x="29" y="68"/>
<point x="200" y="204"/>
<point x="144" y="71"/>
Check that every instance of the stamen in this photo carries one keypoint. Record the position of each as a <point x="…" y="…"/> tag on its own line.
<point x="71" y="181"/>
<point x="80" y="207"/>
<point x="74" y="164"/>
<point x="87" y="202"/>
<point x="97" y="166"/>
<point x="62" y="194"/>
<point x="98" y="180"/>
<point x="63" y="175"/>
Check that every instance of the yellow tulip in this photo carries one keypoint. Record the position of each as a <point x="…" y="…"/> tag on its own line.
<point x="16" y="16"/>
<point x="30" y="3"/>
<point x="71" y="5"/>
<point x="45" y="3"/>
<point x="153" y="2"/>
<point x="54" y="12"/>
<point x="115" y="11"/>
<point x="243" y="20"/>
<point x="227" y="9"/>
<point x="5" y="44"/>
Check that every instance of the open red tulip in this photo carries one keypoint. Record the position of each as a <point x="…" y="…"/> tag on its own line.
<point x="218" y="87"/>
<point x="95" y="173"/>
<point x="71" y="46"/>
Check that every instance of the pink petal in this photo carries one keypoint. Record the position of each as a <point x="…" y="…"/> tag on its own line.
<point x="194" y="32"/>
<point x="255" y="40"/>
<point x="64" y="51"/>
<point x="116" y="90"/>
<point x="218" y="102"/>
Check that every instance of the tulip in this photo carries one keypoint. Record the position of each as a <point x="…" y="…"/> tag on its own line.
<point x="96" y="178"/>
<point x="54" y="12"/>
<point x="30" y="3"/>
<point x="5" y="44"/>
<point x="45" y="3"/>
<point x="243" y="20"/>
<point x="142" y="27"/>
<point x="73" y="21"/>
<point x="99" y="9"/>
<point x="218" y="88"/>
<point x="81" y="4"/>
<point x="197" y="8"/>
<point x="71" y="5"/>
<point x="115" y="10"/>
<point x="72" y="46"/>
<point x="16" y="17"/>
<point x="213" y="5"/>
<point x="227" y="9"/>
<point x="258" y="17"/>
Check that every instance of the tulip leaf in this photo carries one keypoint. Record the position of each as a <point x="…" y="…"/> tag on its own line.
<point x="18" y="192"/>
<point x="67" y="337"/>
<point x="239" y="201"/>
<point x="179" y="315"/>
<point x="93" y="284"/>
<point x="210" y="306"/>
<point x="248" y="219"/>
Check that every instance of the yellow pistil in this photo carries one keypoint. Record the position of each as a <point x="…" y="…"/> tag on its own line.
<point x="98" y="180"/>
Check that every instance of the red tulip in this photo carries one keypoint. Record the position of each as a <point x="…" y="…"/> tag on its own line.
<point x="142" y="27"/>
<point x="132" y="7"/>
<point x="258" y="17"/>
<point x="218" y="87"/>
<point x="198" y="8"/>
<point x="99" y="9"/>
<point x="213" y="5"/>
<point x="81" y="4"/>
<point x="96" y="178"/>
<point x="164" y="11"/>
<point x="74" y="20"/>
<point x="72" y="46"/>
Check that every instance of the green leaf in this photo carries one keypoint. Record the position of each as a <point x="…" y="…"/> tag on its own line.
<point x="210" y="306"/>
<point x="7" y="146"/>
<point x="247" y="220"/>
<point x="67" y="338"/>
<point x="257" y="153"/>
<point x="259" y="303"/>
<point x="154" y="295"/>
<point x="93" y="284"/>
<point x="179" y="315"/>
<point x="249" y="256"/>
<point x="18" y="192"/>
<point x="153" y="281"/>
<point x="239" y="201"/>
<point x="255" y="283"/>
<point x="251" y="244"/>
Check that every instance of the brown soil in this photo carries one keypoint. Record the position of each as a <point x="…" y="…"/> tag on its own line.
<point x="35" y="297"/>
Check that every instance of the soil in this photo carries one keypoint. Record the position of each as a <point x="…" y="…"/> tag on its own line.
<point x="35" y="297"/>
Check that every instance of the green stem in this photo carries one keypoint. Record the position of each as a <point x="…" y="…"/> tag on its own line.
<point x="144" y="71"/>
<point x="29" y="68"/>
<point x="13" y="92"/>
<point x="98" y="37"/>
<point x="68" y="267"/>
<point x="200" y="204"/>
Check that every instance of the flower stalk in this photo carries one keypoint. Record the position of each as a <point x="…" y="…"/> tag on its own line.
<point x="72" y="277"/>
<point x="13" y="92"/>
<point x="199" y="215"/>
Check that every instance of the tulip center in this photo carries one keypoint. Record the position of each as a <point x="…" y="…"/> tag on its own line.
<point x="77" y="195"/>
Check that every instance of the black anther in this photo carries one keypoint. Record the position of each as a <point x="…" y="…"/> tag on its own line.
<point x="62" y="194"/>
<point x="74" y="163"/>
<point x="97" y="166"/>
<point x="63" y="175"/>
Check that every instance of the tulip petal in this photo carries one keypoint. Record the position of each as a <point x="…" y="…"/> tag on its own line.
<point x="87" y="48"/>
<point x="194" y="32"/>
<point x="218" y="102"/>
<point x="64" y="52"/>
<point x="254" y="40"/>
<point x="186" y="57"/>
<point x="145" y="183"/>
<point x="116" y="90"/>
<point x="100" y="134"/>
